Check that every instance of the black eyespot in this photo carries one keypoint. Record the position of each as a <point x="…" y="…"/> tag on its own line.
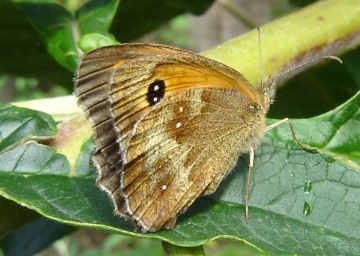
<point x="156" y="92"/>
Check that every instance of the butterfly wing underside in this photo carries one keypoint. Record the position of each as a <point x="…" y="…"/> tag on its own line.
<point x="182" y="149"/>
<point x="174" y="123"/>
<point x="93" y="89"/>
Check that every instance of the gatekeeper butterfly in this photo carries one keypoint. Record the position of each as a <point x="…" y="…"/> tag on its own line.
<point x="169" y="126"/>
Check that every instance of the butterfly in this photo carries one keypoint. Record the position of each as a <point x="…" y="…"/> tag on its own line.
<point x="169" y="126"/>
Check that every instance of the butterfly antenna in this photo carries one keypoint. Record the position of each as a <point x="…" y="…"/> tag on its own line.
<point x="309" y="62"/>
<point x="260" y="57"/>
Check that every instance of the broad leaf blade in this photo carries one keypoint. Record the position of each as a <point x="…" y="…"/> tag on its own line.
<point x="19" y="127"/>
<point x="44" y="230"/>
<point x="54" y="24"/>
<point x="14" y="216"/>
<point x="96" y="17"/>
<point x="279" y="195"/>
<point x="19" y="123"/>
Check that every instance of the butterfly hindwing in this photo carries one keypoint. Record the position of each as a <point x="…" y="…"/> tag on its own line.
<point x="182" y="149"/>
<point x="169" y="125"/>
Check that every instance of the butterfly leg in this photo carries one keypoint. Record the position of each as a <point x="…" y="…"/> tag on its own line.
<point x="286" y="120"/>
<point x="251" y="160"/>
<point x="248" y="183"/>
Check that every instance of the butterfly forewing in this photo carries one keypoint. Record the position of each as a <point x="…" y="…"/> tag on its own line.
<point x="176" y="121"/>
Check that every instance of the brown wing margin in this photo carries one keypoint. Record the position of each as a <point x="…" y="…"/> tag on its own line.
<point x="92" y="89"/>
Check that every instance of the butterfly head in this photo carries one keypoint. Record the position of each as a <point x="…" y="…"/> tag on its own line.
<point x="268" y="91"/>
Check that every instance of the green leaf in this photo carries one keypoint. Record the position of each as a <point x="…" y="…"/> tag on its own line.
<point x="279" y="193"/>
<point x="14" y="216"/>
<point x="54" y="24"/>
<point x="92" y="41"/>
<point x="45" y="231"/>
<point x="21" y="50"/>
<point x="61" y="29"/>
<point x="300" y="202"/>
<point x="96" y="17"/>
<point x="171" y="249"/>
<point x="20" y="123"/>
<point x="19" y="152"/>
